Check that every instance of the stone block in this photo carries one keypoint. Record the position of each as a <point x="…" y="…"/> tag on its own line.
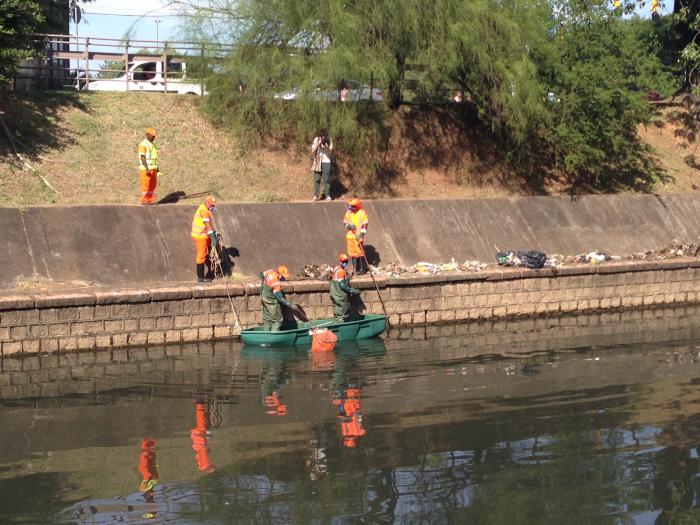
<point x="131" y="325"/>
<point x="156" y="353"/>
<point x="418" y="318"/>
<point x="103" y="341"/>
<point x="37" y="330"/>
<point x="137" y="338"/>
<point x="222" y="331"/>
<point x="67" y="343"/>
<point x="10" y="348"/>
<point x="147" y="323"/>
<point x="156" y="337"/>
<point x="16" y="302"/>
<point x="120" y="339"/>
<point x="173" y="336"/>
<point x="205" y="334"/>
<point x="199" y="320"/>
<point x="31" y="346"/>
<point x="17" y="333"/>
<point x="11" y="318"/>
<point x="190" y="334"/>
<point x="48" y="345"/>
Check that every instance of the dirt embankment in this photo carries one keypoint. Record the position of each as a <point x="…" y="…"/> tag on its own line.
<point x="84" y="146"/>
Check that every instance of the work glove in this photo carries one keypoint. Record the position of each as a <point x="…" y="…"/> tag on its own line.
<point x="350" y="227"/>
<point x="360" y="236"/>
<point x="214" y="241"/>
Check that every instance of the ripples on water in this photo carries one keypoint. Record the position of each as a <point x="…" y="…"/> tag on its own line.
<point x="595" y="421"/>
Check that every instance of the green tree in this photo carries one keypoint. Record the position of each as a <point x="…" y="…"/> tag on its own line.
<point x="19" y="19"/>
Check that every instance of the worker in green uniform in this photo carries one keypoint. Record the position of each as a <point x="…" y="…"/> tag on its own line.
<point x="341" y="291"/>
<point x="272" y="298"/>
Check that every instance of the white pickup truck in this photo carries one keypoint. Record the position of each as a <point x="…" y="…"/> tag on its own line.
<point x="148" y="76"/>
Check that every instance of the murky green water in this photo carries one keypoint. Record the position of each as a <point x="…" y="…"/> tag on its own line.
<point x="585" y="429"/>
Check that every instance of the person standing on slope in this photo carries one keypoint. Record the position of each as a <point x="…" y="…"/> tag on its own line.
<point x="148" y="167"/>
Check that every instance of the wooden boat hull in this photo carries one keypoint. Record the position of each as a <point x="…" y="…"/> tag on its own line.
<point x="297" y="334"/>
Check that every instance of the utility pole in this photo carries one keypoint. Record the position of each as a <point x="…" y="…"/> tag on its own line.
<point x="157" y="21"/>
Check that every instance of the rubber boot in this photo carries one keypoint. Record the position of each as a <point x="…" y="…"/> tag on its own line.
<point x="200" y="274"/>
<point x="362" y="267"/>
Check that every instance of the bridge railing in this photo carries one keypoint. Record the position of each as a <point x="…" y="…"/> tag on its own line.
<point x="71" y="61"/>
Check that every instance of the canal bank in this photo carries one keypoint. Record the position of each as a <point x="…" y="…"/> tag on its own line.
<point x="125" y="264"/>
<point x="99" y="318"/>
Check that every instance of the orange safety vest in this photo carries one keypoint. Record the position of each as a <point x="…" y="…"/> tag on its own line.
<point x="359" y="220"/>
<point x="271" y="279"/>
<point x="149" y="150"/>
<point x="202" y="223"/>
<point x="339" y="273"/>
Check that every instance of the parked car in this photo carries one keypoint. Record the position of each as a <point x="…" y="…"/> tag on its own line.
<point x="350" y="90"/>
<point x="148" y="76"/>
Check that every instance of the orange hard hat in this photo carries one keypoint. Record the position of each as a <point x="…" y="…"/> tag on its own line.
<point x="283" y="271"/>
<point x="210" y="201"/>
<point x="350" y="441"/>
<point x="343" y="258"/>
<point x="151" y="131"/>
<point x="354" y="202"/>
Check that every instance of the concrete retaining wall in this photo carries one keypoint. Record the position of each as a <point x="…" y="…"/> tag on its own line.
<point x="125" y="245"/>
<point x="33" y="324"/>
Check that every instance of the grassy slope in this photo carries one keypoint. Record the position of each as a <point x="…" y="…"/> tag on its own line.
<point x="84" y="144"/>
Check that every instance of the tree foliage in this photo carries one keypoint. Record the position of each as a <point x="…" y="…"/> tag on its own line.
<point x="560" y="84"/>
<point x="19" y="19"/>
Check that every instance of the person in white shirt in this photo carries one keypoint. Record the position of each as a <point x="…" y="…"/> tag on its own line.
<point x="321" y="148"/>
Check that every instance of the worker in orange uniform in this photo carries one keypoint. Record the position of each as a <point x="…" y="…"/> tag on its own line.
<point x="148" y="167"/>
<point x="204" y="235"/>
<point x="350" y="415"/>
<point x="340" y="289"/>
<point x="272" y="298"/>
<point x="200" y="443"/>
<point x="355" y="222"/>
<point x="148" y="467"/>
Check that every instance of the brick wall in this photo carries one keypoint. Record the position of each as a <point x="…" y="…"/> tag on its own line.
<point x="32" y="324"/>
<point x="216" y="366"/>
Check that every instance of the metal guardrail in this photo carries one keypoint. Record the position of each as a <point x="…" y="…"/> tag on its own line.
<point x="74" y="61"/>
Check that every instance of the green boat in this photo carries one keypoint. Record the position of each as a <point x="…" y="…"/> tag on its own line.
<point x="297" y="333"/>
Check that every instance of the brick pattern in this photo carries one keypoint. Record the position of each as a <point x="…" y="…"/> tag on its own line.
<point x="209" y="364"/>
<point x="123" y="318"/>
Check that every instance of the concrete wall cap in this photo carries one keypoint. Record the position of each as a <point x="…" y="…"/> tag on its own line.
<point x="16" y="302"/>
<point x="64" y="299"/>
<point x="311" y="286"/>
<point x="170" y="293"/>
<point x="132" y="295"/>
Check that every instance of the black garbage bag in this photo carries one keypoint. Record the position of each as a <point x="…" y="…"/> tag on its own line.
<point x="529" y="259"/>
<point x="532" y="259"/>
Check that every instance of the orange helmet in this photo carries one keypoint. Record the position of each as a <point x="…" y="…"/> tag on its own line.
<point x="210" y="202"/>
<point x="151" y="131"/>
<point x="342" y="258"/>
<point x="283" y="271"/>
<point x="350" y="442"/>
<point x="354" y="202"/>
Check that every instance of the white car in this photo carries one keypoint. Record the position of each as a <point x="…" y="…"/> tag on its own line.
<point x="352" y="90"/>
<point x="148" y="76"/>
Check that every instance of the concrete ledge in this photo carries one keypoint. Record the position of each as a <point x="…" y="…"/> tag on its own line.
<point x="170" y="294"/>
<point x="16" y="302"/>
<point x="122" y="296"/>
<point x="66" y="299"/>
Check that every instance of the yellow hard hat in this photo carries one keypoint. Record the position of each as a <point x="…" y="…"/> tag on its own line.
<point x="151" y="131"/>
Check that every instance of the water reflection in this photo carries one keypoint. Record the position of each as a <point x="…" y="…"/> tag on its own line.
<point x="414" y="431"/>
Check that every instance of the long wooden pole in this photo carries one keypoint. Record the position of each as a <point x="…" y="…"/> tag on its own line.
<point x="376" y="286"/>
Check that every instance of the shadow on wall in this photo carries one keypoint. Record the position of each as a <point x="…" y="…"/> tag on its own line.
<point x="372" y="254"/>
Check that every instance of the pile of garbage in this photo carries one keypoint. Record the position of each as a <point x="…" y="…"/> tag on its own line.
<point x="674" y="249"/>
<point x="317" y="271"/>
<point x="529" y="259"/>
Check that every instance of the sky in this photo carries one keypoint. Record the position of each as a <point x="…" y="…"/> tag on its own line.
<point x="100" y="19"/>
<point x="114" y="18"/>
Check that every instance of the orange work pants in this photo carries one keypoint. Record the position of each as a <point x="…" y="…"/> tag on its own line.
<point x="149" y="181"/>
<point x="355" y="248"/>
<point x="202" y="248"/>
